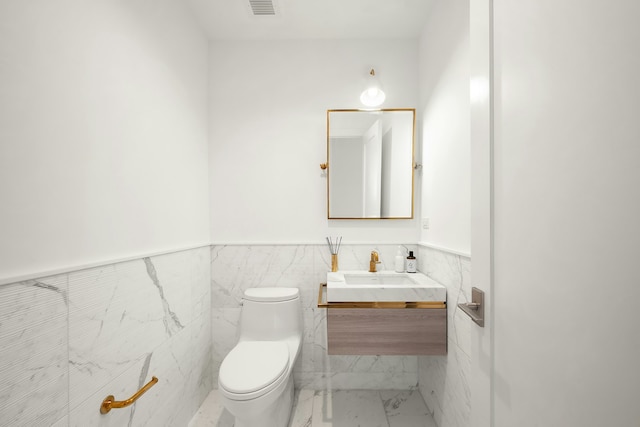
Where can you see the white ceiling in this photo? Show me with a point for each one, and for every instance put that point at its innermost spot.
(313, 19)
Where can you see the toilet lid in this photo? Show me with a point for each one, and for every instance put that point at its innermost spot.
(253, 365)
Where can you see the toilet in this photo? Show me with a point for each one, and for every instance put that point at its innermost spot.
(255, 380)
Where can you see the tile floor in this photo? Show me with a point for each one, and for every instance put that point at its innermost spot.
(338, 408)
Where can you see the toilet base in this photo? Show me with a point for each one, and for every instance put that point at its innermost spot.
(276, 415)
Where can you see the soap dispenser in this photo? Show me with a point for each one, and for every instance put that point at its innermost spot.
(411, 263)
(399, 261)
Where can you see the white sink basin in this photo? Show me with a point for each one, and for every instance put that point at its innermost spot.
(378, 279)
(362, 286)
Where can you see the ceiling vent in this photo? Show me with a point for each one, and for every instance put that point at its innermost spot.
(262, 7)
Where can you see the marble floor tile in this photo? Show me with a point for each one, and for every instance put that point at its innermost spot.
(337, 408)
(212, 413)
(302, 412)
(406, 408)
(348, 408)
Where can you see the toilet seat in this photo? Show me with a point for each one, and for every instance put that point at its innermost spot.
(253, 368)
(271, 294)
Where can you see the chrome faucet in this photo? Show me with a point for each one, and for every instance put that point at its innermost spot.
(373, 262)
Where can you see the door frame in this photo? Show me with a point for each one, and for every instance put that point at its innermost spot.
(481, 139)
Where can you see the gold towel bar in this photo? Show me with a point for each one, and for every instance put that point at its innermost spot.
(110, 402)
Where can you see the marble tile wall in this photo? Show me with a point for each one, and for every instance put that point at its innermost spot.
(70, 340)
(235, 268)
(443, 380)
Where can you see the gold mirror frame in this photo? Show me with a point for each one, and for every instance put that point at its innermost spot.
(412, 164)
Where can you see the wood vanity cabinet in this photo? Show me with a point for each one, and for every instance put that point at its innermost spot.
(387, 331)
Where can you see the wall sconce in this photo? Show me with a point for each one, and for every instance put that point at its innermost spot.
(373, 95)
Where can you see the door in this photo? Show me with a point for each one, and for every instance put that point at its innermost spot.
(558, 250)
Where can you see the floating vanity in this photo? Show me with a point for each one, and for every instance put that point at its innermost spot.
(384, 313)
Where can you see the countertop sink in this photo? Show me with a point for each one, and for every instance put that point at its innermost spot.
(380, 278)
(362, 286)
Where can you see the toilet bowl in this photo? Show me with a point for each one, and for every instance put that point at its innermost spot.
(256, 377)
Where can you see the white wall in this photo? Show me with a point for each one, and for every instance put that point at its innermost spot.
(103, 132)
(268, 134)
(444, 102)
(566, 213)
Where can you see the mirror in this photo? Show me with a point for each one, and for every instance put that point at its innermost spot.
(370, 170)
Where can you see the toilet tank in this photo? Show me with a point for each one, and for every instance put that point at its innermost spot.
(271, 314)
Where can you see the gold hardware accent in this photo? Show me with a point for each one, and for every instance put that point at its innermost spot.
(323, 166)
(334, 262)
(374, 260)
(109, 402)
(322, 302)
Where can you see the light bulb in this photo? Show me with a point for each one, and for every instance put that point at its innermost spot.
(373, 95)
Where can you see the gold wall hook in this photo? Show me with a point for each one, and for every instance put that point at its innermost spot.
(323, 166)
(109, 402)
